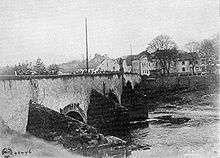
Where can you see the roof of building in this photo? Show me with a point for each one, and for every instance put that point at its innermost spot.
(188, 56)
(94, 62)
(130, 58)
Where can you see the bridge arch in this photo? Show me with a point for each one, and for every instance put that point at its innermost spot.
(73, 110)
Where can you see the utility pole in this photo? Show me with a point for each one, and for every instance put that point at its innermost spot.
(131, 58)
(87, 53)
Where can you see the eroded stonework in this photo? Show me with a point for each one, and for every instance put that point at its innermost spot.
(54, 92)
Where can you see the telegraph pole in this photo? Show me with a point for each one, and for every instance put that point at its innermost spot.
(131, 58)
(87, 52)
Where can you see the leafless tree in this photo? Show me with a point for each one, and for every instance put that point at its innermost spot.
(207, 48)
(164, 50)
(192, 46)
(161, 42)
(210, 51)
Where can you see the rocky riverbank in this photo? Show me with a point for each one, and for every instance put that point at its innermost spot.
(66, 131)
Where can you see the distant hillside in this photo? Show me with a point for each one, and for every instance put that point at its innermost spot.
(70, 66)
(77, 65)
(1, 70)
(6, 70)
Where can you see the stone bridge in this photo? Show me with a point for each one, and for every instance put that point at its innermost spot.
(62, 93)
(69, 109)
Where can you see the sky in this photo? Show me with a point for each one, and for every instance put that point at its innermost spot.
(54, 30)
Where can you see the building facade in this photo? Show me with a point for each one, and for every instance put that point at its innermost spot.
(142, 63)
(188, 63)
(108, 64)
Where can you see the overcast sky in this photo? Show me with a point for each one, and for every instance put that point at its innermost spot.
(54, 29)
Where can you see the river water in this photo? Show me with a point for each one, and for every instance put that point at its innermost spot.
(175, 130)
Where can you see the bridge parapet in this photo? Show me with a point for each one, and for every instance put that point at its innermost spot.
(28, 77)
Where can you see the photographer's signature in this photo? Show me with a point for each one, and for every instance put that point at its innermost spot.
(8, 152)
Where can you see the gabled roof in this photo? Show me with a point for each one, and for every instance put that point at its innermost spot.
(94, 62)
(143, 54)
(130, 58)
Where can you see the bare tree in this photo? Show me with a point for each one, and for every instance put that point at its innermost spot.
(210, 51)
(192, 46)
(207, 48)
(215, 41)
(161, 42)
(164, 50)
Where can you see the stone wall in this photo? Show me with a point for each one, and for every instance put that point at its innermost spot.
(14, 102)
(54, 92)
(181, 82)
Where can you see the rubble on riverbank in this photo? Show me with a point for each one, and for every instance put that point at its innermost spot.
(66, 131)
(16, 144)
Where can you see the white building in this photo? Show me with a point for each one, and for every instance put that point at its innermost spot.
(188, 63)
(108, 65)
(142, 64)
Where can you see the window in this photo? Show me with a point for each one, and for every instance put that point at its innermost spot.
(183, 69)
(113, 68)
(183, 62)
(149, 64)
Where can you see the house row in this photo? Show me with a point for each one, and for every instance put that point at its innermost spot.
(185, 63)
(144, 63)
